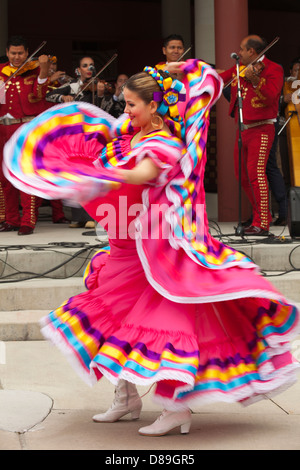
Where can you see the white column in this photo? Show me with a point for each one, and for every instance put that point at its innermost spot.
(204, 24)
(3, 26)
(176, 19)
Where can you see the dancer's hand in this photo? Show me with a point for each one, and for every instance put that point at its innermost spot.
(174, 67)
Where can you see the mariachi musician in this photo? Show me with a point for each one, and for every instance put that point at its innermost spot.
(74, 89)
(173, 49)
(291, 109)
(56, 79)
(22, 98)
(261, 85)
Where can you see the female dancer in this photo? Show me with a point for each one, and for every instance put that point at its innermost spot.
(165, 303)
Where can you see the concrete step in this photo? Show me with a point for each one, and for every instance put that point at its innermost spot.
(18, 262)
(63, 252)
(269, 257)
(38, 294)
(62, 259)
(21, 325)
(286, 283)
(50, 293)
(23, 303)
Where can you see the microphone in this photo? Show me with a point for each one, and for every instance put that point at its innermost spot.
(92, 68)
(234, 56)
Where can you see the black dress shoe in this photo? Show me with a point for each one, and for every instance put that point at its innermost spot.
(247, 223)
(5, 227)
(280, 222)
(255, 231)
(63, 220)
(25, 230)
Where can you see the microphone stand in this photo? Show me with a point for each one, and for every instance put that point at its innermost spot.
(239, 229)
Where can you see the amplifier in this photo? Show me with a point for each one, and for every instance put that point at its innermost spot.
(294, 212)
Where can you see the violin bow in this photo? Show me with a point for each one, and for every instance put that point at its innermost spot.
(93, 78)
(256, 59)
(26, 61)
(184, 53)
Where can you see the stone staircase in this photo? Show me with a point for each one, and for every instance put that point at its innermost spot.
(280, 263)
(35, 281)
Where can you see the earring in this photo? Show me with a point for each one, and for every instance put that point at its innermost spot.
(157, 122)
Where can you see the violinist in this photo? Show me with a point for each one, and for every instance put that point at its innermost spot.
(261, 85)
(23, 98)
(290, 130)
(57, 77)
(110, 99)
(173, 48)
(294, 74)
(68, 92)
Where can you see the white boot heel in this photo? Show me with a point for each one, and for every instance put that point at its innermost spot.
(127, 400)
(167, 421)
(185, 428)
(135, 414)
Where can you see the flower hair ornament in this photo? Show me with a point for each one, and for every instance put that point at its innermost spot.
(172, 91)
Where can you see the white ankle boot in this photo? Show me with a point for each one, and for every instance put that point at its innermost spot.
(166, 421)
(127, 400)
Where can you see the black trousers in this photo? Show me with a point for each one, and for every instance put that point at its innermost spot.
(275, 178)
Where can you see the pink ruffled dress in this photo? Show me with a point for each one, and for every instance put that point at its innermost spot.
(165, 302)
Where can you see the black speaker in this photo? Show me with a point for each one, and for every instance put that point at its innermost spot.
(294, 212)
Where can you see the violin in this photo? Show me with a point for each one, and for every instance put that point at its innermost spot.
(108, 87)
(33, 64)
(88, 85)
(257, 69)
(92, 86)
(57, 77)
(12, 71)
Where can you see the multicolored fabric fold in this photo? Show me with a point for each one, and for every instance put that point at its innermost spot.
(52, 156)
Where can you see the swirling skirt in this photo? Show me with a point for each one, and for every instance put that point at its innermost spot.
(120, 327)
